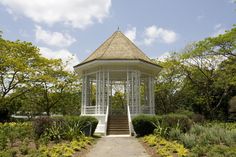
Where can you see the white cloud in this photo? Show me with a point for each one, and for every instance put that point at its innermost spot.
(53, 38)
(67, 57)
(76, 13)
(218, 29)
(164, 56)
(131, 33)
(153, 33)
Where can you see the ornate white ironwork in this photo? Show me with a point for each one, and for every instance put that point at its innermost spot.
(102, 79)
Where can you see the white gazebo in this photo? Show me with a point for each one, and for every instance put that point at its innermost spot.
(117, 61)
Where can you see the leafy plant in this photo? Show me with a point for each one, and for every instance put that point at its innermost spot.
(174, 134)
(40, 125)
(188, 140)
(143, 121)
(3, 140)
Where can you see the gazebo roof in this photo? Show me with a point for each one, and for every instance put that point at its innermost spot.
(117, 47)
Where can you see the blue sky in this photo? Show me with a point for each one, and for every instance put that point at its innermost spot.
(75, 28)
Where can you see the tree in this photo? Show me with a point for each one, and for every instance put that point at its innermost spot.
(49, 85)
(201, 78)
(18, 63)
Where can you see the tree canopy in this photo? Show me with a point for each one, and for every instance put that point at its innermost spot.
(201, 78)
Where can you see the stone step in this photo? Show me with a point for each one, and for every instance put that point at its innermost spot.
(118, 132)
(118, 125)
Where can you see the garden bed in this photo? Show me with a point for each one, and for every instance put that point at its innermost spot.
(176, 137)
(47, 137)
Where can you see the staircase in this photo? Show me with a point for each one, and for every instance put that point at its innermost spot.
(118, 125)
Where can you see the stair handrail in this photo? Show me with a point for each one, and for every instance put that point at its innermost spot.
(129, 119)
(106, 119)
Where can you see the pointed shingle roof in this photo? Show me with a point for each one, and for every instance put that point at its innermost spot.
(117, 47)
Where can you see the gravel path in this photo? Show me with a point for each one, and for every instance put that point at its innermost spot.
(117, 147)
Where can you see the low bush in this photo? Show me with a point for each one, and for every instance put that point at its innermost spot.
(87, 122)
(221, 151)
(40, 125)
(195, 117)
(174, 134)
(188, 140)
(65, 149)
(144, 124)
(200, 137)
(67, 128)
(165, 148)
(176, 120)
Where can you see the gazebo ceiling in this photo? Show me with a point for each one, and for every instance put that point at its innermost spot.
(117, 48)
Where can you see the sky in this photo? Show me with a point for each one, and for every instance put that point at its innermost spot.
(73, 29)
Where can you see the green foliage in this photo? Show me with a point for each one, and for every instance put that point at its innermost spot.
(188, 140)
(165, 148)
(208, 135)
(11, 133)
(33, 84)
(24, 149)
(64, 128)
(201, 78)
(144, 125)
(88, 122)
(161, 131)
(40, 125)
(65, 149)
(221, 151)
(176, 120)
(8, 153)
(174, 133)
(3, 140)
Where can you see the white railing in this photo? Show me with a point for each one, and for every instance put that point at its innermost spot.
(106, 119)
(89, 110)
(93, 110)
(146, 110)
(129, 120)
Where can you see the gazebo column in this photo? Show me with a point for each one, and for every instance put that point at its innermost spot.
(102, 91)
(146, 96)
(133, 92)
(137, 92)
(151, 99)
(86, 88)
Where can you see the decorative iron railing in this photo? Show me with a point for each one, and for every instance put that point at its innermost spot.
(94, 110)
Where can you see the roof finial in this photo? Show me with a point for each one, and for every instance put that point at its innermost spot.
(118, 29)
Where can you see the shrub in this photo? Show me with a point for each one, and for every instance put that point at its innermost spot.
(173, 120)
(56, 130)
(197, 129)
(3, 140)
(164, 147)
(188, 140)
(221, 151)
(4, 114)
(174, 134)
(8, 153)
(67, 128)
(144, 124)
(40, 125)
(87, 122)
(197, 118)
(203, 136)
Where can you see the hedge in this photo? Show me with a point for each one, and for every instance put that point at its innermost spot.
(73, 124)
(145, 124)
